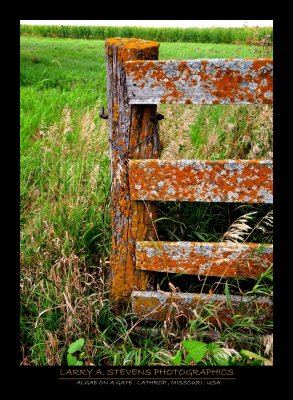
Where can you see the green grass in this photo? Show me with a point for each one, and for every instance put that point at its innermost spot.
(244, 35)
(65, 218)
(55, 73)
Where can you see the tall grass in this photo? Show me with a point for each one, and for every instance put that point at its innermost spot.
(244, 35)
(65, 197)
(217, 132)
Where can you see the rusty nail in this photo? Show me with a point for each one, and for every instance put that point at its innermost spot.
(102, 113)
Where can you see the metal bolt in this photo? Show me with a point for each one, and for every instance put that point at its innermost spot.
(158, 117)
(102, 113)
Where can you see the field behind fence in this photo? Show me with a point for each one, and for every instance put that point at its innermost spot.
(244, 35)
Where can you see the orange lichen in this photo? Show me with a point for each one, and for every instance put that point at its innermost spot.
(128, 48)
(131, 125)
(128, 127)
(213, 259)
(115, 112)
(157, 306)
(229, 81)
(240, 181)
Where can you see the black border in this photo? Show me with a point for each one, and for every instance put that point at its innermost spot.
(267, 378)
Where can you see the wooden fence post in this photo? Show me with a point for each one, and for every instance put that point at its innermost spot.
(132, 135)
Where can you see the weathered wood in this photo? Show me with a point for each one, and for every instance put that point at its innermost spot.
(213, 81)
(131, 135)
(225, 259)
(158, 306)
(193, 180)
(133, 81)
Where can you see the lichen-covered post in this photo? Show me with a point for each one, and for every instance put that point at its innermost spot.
(132, 136)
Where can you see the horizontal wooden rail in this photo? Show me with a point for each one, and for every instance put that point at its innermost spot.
(207, 181)
(159, 305)
(213, 81)
(213, 259)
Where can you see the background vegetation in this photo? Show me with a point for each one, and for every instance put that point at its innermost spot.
(65, 223)
(244, 35)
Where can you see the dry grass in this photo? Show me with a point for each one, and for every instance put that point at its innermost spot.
(61, 287)
(63, 291)
(66, 298)
(217, 132)
(268, 342)
(239, 229)
(175, 131)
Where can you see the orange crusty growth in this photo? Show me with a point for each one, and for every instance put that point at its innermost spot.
(248, 181)
(212, 81)
(128, 126)
(160, 305)
(129, 48)
(133, 80)
(248, 260)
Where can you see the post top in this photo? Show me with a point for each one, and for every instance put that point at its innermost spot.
(131, 43)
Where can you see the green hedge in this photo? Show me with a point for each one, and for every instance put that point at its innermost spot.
(201, 35)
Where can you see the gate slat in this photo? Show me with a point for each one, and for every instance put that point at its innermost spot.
(248, 181)
(158, 306)
(213, 259)
(212, 81)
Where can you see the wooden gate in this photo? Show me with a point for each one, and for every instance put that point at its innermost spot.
(137, 82)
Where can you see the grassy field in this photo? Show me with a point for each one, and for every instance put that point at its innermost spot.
(244, 35)
(65, 222)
